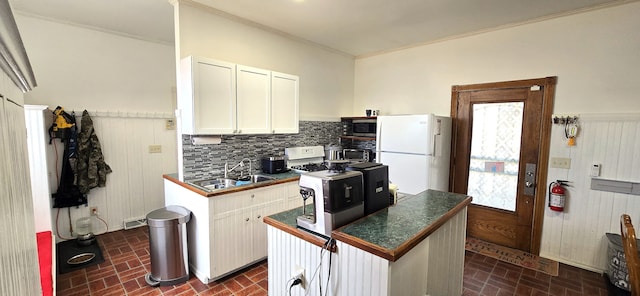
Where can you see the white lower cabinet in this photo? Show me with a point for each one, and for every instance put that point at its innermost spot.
(227, 232)
(293, 198)
(240, 236)
(259, 229)
(229, 251)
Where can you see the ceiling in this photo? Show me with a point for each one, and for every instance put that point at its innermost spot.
(355, 27)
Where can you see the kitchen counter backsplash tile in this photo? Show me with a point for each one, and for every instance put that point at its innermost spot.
(207, 161)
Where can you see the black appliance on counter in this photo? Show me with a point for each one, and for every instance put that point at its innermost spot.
(336, 198)
(376, 185)
(273, 165)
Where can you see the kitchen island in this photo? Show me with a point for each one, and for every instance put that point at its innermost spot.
(415, 247)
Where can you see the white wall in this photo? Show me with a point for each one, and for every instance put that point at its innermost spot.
(576, 236)
(326, 77)
(128, 86)
(596, 58)
(79, 69)
(594, 54)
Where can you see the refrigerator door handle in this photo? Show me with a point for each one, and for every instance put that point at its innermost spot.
(433, 148)
(379, 136)
(436, 133)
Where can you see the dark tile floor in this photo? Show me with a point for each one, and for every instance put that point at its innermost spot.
(127, 261)
(488, 276)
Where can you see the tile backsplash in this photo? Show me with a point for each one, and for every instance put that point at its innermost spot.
(207, 161)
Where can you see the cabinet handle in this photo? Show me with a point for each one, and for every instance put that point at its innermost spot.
(252, 195)
(259, 216)
(246, 219)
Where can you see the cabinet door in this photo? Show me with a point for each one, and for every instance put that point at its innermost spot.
(231, 249)
(253, 100)
(208, 98)
(293, 198)
(259, 230)
(284, 103)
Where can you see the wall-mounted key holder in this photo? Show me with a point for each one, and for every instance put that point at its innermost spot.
(570, 127)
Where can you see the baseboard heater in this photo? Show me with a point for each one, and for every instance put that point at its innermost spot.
(134, 223)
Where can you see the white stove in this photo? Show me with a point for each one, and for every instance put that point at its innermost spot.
(305, 158)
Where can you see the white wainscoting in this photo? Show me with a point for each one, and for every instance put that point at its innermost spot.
(19, 272)
(577, 235)
(135, 187)
(433, 267)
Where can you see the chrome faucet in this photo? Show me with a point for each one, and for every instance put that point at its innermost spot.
(227, 170)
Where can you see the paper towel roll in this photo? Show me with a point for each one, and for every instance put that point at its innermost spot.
(206, 140)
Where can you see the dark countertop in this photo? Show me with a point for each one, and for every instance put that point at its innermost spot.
(391, 232)
(289, 176)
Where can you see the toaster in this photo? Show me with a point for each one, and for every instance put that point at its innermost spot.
(273, 165)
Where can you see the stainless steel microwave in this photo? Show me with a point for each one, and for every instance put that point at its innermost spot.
(364, 127)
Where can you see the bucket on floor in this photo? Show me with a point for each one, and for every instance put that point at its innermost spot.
(168, 246)
(616, 263)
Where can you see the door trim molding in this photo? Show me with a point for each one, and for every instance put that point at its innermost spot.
(548, 85)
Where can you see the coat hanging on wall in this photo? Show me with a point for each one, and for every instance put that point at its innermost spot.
(91, 168)
(65, 129)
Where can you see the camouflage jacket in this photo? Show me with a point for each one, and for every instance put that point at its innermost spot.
(91, 169)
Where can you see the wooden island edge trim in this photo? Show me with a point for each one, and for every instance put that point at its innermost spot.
(301, 234)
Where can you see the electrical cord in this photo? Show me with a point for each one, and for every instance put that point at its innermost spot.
(105, 224)
(57, 230)
(296, 282)
(325, 247)
(328, 275)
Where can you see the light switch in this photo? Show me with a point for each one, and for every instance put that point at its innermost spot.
(561, 163)
(155, 148)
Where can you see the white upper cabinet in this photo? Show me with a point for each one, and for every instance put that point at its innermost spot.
(284, 103)
(254, 100)
(224, 98)
(208, 100)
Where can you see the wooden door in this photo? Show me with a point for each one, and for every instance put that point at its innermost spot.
(500, 150)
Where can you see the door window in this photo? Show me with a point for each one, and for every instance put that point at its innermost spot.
(495, 154)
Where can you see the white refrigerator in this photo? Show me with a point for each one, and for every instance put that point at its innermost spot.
(417, 149)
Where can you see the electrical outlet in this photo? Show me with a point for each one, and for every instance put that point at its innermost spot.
(299, 273)
(93, 211)
(561, 163)
(155, 148)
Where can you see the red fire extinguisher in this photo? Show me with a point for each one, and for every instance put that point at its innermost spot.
(557, 195)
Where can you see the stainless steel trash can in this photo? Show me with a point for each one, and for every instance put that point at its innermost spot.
(168, 246)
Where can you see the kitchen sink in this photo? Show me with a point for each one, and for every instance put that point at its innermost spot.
(213, 184)
(221, 183)
(256, 178)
